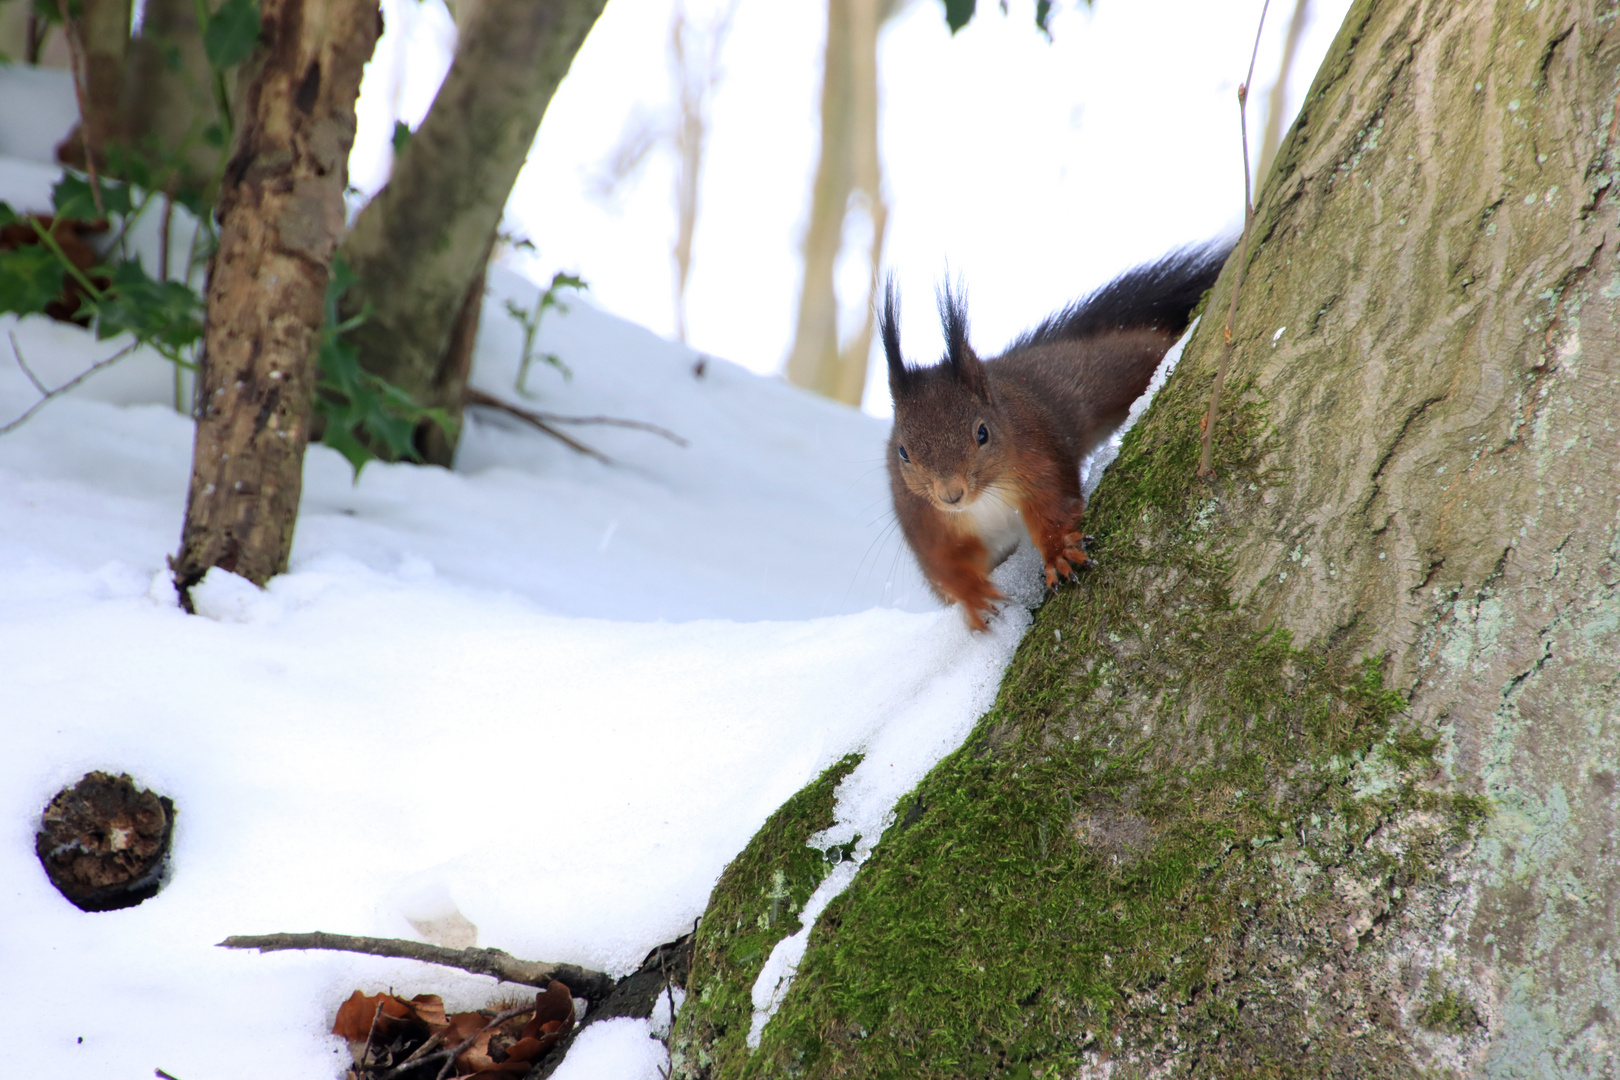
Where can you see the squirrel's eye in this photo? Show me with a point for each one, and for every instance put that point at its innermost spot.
(903, 455)
(984, 434)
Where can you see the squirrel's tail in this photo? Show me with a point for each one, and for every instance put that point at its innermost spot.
(1158, 296)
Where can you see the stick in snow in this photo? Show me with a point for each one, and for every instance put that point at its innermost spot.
(493, 962)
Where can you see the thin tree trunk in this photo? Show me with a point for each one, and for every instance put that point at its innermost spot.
(281, 213)
(425, 237)
(168, 99)
(103, 29)
(1315, 775)
(1277, 99)
(849, 164)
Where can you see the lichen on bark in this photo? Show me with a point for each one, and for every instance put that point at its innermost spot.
(1314, 776)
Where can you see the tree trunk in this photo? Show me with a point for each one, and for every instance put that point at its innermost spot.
(421, 242)
(168, 98)
(281, 213)
(849, 163)
(1315, 774)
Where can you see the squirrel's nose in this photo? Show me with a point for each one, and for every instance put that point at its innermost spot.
(952, 495)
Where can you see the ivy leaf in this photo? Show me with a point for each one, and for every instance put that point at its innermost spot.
(232, 33)
(958, 13)
(402, 137)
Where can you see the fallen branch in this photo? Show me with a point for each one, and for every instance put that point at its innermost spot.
(544, 422)
(45, 394)
(493, 962)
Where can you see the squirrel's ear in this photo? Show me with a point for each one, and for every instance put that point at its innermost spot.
(958, 353)
(891, 338)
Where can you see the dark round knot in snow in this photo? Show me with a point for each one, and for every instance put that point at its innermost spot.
(103, 842)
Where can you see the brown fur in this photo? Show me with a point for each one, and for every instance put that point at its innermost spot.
(1044, 405)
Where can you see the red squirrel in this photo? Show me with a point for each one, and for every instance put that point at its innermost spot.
(984, 450)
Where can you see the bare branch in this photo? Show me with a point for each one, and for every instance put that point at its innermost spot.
(492, 962)
(490, 401)
(1206, 455)
(80, 70)
(47, 395)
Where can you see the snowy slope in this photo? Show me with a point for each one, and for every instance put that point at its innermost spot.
(552, 695)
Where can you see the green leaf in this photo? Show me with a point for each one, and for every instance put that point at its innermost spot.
(165, 313)
(7, 214)
(72, 198)
(402, 136)
(958, 13)
(232, 34)
(1043, 13)
(30, 278)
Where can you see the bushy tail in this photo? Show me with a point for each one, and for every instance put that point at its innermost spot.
(1157, 296)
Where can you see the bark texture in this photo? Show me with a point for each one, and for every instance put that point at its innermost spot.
(1315, 776)
(281, 213)
(421, 242)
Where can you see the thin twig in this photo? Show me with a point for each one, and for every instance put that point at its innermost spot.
(490, 401)
(478, 397)
(414, 1062)
(65, 387)
(163, 237)
(1206, 455)
(492, 962)
(163, 1075)
(372, 1033)
(76, 51)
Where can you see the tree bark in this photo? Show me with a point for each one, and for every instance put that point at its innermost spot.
(281, 213)
(1315, 775)
(421, 242)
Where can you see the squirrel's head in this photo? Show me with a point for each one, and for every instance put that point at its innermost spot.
(948, 444)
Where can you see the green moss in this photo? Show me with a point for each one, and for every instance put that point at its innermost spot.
(755, 904)
(1144, 844)
(1452, 1014)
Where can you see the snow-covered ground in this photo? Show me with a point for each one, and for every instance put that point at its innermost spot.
(551, 695)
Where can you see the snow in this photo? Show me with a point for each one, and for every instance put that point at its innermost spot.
(541, 694)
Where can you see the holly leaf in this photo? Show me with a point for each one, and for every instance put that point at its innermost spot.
(232, 34)
(30, 278)
(73, 198)
(166, 312)
(958, 13)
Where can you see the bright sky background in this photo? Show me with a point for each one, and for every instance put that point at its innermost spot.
(1035, 170)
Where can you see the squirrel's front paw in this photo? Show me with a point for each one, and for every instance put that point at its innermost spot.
(979, 604)
(1069, 560)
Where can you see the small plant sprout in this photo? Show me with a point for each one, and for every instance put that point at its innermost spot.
(529, 319)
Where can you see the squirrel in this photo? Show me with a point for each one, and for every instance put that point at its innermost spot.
(984, 450)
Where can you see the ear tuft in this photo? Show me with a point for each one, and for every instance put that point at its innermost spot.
(891, 336)
(959, 355)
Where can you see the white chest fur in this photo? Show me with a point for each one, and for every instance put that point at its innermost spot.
(998, 523)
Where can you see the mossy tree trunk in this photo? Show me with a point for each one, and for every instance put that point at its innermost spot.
(280, 217)
(419, 248)
(1315, 774)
